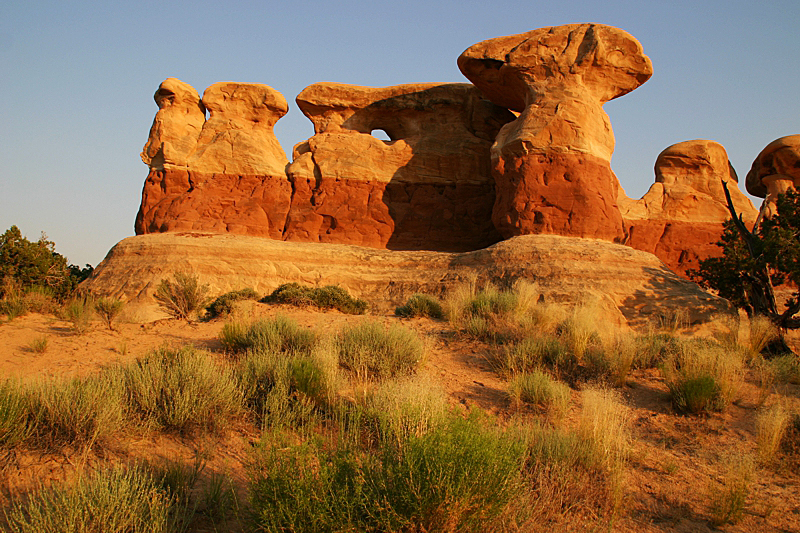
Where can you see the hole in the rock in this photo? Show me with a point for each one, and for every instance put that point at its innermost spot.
(381, 134)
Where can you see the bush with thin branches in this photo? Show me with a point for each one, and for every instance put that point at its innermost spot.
(183, 296)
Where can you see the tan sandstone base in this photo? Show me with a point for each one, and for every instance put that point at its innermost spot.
(630, 285)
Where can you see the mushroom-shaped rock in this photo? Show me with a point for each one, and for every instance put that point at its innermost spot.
(429, 187)
(774, 171)
(552, 164)
(234, 181)
(176, 127)
(681, 218)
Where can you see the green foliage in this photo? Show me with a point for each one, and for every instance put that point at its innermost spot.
(421, 305)
(180, 390)
(182, 297)
(109, 309)
(223, 305)
(279, 334)
(371, 351)
(752, 263)
(458, 476)
(37, 263)
(328, 297)
(15, 425)
(114, 500)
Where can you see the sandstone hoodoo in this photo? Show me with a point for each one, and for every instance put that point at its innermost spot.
(774, 171)
(221, 175)
(552, 164)
(429, 187)
(681, 217)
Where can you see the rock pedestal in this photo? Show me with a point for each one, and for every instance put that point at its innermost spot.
(552, 164)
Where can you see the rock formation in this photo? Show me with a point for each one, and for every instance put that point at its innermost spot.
(774, 171)
(223, 175)
(681, 217)
(630, 285)
(552, 164)
(428, 188)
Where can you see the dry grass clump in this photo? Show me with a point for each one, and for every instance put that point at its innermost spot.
(371, 351)
(280, 334)
(421, 305)
(183, 297)
(603, 424)
(540, 389)
(109, 309)
(328, 297)
(785, 368)
(15, 423)
(80, 311)
(114, 500)
(762, 332)
(39, 344)
(703, 376)
(728, 501)
(771, 425)
(180, 390)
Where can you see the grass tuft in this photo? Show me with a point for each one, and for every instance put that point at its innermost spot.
(540, 389)
(109, 309)
(279, 334)
(224, 304)
(371, 351)
(771, 425)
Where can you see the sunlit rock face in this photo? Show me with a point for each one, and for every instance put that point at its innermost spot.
(775, 171)
(552, 164)
(225, 174)
(681, 217)
(429, 187)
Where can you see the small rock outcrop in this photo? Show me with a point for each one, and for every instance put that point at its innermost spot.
(552, 164)
(222, 175)
(774, 171)
(681, 217)
(429, 187)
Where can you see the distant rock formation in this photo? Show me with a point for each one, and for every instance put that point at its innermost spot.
(526, 150)
(222, 175)
(681, 217)
(552, 164)
(427, 188)
(774, 171)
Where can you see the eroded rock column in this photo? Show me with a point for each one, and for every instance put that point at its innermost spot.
(221, 175)
(552, 164)
(681, 217)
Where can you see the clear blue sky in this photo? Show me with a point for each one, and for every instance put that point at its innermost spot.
(77, 79)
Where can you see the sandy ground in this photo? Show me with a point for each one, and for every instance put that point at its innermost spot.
(675, 461)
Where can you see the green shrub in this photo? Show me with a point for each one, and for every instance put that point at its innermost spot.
(109, 309)
(458, 476)
(786, 368)
(109, 501)
(371, 351)
(328, 297)
(182, 297)
(421, 305)
(223, 305)
(540, 389)
(652, 349)
(703, 376)
(613, 360)
(279, 334)
(180, 390)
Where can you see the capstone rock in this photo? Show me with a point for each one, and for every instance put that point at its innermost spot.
(552, 164)
(774, 171)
